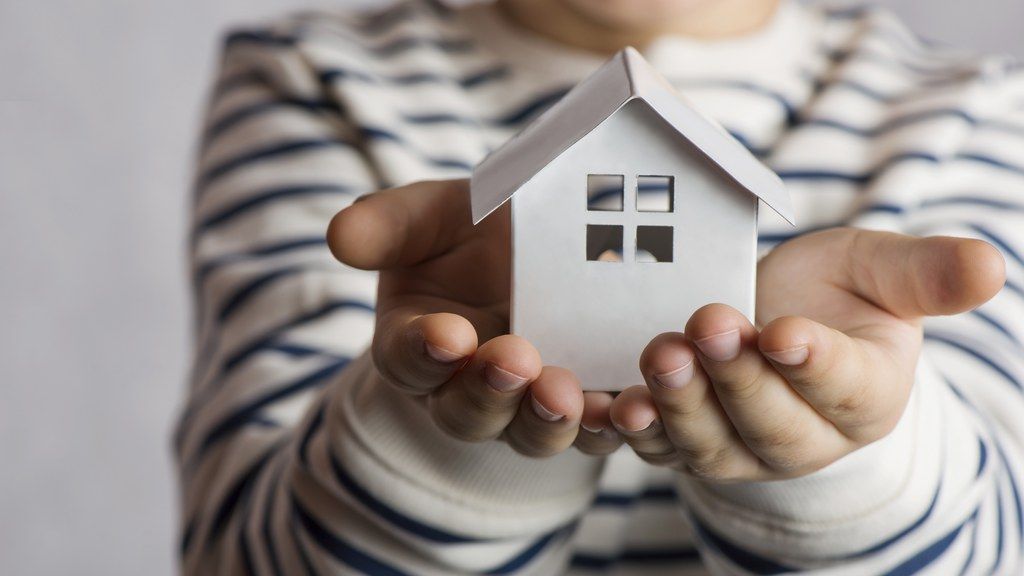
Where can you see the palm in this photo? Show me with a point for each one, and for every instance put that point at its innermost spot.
(813, 276)
(472, 279)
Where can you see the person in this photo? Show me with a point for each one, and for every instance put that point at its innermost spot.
(369, 412)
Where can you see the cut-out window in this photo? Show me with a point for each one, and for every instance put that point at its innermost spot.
(653, 243)
(604, 243)
(605, 192)
(655, 193)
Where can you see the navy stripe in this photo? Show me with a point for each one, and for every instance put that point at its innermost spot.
(743, 558)
(977, 356)
(340, 549)
(261, 37)
(471, 80)
(249, 290)
(237, 495)
(866, 177)
(248, 567)
(311, 431)
(392, 516)
(236, 81)
(788, 107)
(994, 162)
(977, 313)
(1003, 245)
(908, 120)
(888, 542)
(974, 547)
(266, 528)
(186, 536)
(265, 250)
(259, 198)
(1014, 287)
(972, 201)
(1014, 487)
(242, 414)
(384, 50)
(651, 493)
(446, 163)
(239, 115)
(522, 559)
(201, 397)
(382, 21)
(999, 528)
(530, 109)
(982, 457)
(926, 557)
(262, 343)
(639, 556)
(266, 153)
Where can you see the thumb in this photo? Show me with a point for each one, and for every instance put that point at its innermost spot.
(913, 277)
(401, 226)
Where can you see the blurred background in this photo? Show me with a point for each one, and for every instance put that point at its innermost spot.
(99, 106)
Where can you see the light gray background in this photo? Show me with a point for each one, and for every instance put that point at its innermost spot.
(99, 104)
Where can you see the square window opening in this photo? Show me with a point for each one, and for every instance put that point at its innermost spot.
(655, 193)
(604, 243)
(653, 244)
(605, 192)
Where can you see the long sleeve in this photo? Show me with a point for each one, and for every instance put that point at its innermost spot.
(944, 492)
(293, 458)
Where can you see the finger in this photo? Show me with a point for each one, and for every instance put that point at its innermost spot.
(480, 401)
(773, 420)
(694, 421)
(636, 418)
(839, 375)
(417, 353)
(548, 418)
(401, 226)
(597, 435)
(914, 277)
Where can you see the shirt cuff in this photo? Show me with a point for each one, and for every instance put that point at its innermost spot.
(388, 445)
(856, 503)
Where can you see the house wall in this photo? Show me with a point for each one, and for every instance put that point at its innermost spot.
(596, 317)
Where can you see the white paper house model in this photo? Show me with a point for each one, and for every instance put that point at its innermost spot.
(630, 210)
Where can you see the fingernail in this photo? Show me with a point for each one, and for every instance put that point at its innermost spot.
(544, 413)
(677, 378)
(606, 433)
(721, 347)
(791, 356)
(650, 426)
(440, 354)
(361, 198)
(502, 380)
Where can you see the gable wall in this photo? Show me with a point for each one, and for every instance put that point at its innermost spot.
(596, 317)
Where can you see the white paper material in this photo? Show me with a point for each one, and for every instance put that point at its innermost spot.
(596, 317)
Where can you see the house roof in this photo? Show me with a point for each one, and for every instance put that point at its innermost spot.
(624, 78)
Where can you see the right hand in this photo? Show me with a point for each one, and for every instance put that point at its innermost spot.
(443, 322)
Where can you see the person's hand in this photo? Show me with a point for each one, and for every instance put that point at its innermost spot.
(830, 371)
(442, 322)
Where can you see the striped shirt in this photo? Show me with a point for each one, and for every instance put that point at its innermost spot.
(293, 461)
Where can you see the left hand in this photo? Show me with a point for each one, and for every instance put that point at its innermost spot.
(830, 371)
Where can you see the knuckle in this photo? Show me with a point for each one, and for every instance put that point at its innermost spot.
(741, 387)
(532, 446)
(461, 428)
(668, 458)
(714, 464)
(783, 447)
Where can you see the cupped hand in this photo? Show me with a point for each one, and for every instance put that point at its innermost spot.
(830, 371)
(442, 322)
